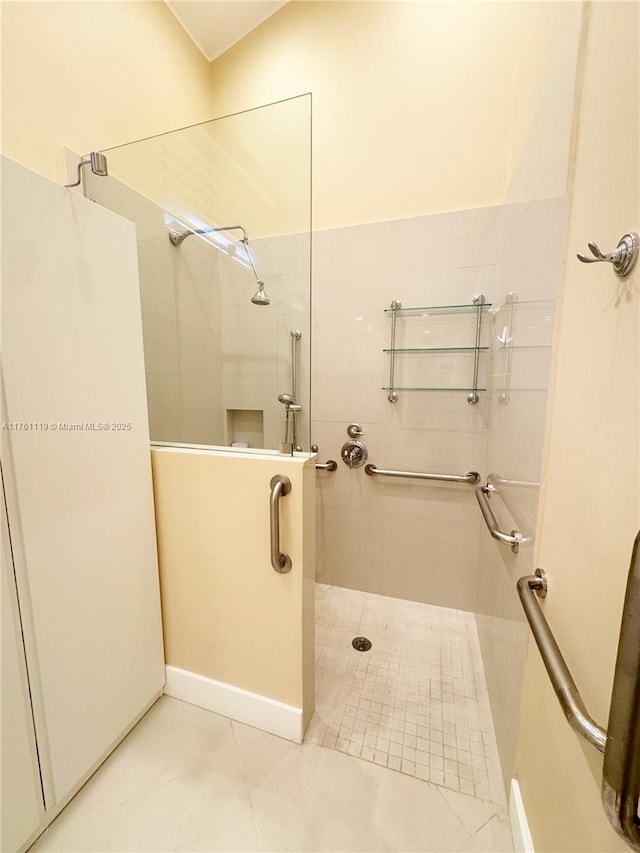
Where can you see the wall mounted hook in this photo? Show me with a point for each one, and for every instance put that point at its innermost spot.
(623, 257)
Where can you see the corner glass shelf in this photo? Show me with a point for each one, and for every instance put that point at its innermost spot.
(440, 309)
(436, 349)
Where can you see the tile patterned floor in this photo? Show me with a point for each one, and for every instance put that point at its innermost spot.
(186, 779)
(416, 702)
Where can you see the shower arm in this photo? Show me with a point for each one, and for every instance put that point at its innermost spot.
(178, 237)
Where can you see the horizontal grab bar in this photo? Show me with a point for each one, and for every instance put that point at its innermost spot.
(471, 477)
(514, 539)
(529, 588)
(329, 465)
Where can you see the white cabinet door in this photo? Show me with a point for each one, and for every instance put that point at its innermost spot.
(79, 499)
(22, 803)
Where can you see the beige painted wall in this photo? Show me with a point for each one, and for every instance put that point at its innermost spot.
(92, 75)
(227, 614)
(414, 107)
(401, 90)
(590, 509)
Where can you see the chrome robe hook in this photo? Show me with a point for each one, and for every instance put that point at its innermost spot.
(623, 257)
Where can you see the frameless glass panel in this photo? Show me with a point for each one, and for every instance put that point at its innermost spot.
(223, 220)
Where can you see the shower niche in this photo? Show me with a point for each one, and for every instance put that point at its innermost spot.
(222, 212)
(245, 428)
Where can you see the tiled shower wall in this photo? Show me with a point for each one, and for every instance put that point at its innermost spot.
(208, 349)
(181, 302)
(413, 539)
(426, 541)
(256, 341)
(531, 265)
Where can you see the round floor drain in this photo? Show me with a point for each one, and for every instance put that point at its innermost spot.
(361, 644)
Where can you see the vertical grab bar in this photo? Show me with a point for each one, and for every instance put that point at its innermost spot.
(506, 339)
(280, 486)
(393, 395)
(478, 301)
(296, 334)
(621, 772)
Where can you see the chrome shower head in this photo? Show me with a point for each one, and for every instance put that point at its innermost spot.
(260, 297)
(286, 398)
(178, 237)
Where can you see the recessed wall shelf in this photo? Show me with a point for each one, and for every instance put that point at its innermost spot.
(396, 310)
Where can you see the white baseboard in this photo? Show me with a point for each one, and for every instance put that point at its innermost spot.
(522, 841)
(237, 704)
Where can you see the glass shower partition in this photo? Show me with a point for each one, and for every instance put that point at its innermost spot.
(223, 222)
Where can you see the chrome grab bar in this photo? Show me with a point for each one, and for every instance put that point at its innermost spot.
(620, 742)
(478, 300)
(514, 539)
(329, 465)
(280, 486)
(471, 477)
(529, 589)
(392, 397)
(621, 772)
(497, 480)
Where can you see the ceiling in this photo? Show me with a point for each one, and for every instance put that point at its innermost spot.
(216, 25)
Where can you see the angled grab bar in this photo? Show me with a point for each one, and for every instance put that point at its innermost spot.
(280, 486)
(514, 539)
(529, 589)
(471, 477)
(329, 465)
(620, 742)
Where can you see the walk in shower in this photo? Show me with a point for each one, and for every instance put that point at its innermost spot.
(430, 351)
(222, 213)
